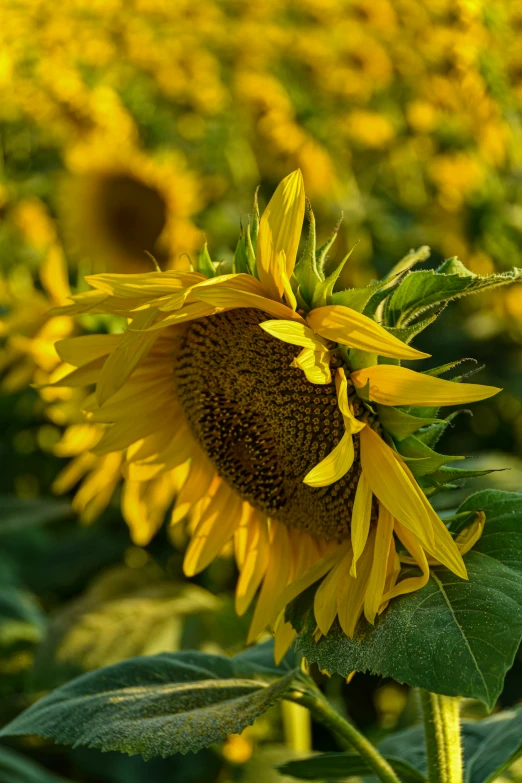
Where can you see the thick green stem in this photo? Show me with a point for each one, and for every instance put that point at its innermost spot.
(443, 742)
(323, 712)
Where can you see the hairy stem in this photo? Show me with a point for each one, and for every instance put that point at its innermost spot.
(443, 742)
(322, 711)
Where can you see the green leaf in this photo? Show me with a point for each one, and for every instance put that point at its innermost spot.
(339, 766)
(21, 618)
(421, 290)
(127, 612)
(407, 333)
(15, 768)
(412, 258)
(489, 746)
(454, 637)
(17, 514)
(157, 705)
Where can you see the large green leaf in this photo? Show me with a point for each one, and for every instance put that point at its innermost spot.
(454, 637)
(127, 612)
(17, 513)
(420, 291)
(339, 766)
(157, 705)
(15, 768)
(489, 746)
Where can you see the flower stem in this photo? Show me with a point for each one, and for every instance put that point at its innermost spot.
(443, 742)
(322, 711)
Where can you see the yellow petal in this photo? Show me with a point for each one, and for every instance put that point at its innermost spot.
(239, 282)
(294, 333)
(288, 293)
(360, 523)
(411, 583)
(280, 230)
(275, 581)
(214, 529)
(395, 486)
(284, 637)
(325, 600)
(85, 349)
(309, 576)
(348, 327)
(315, 365)
(188, 313)
(334, 466)
(469, 537)
(393, 385)
(351, 592)
(148, 284)
(255, 563)
(229, 299)
(375, 587)
(81, 303)
(351, 424)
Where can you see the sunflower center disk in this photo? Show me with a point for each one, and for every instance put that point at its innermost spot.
(261, 423)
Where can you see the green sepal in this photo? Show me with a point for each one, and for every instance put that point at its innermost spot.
(399, 423)
(204, 263)
(432, 434)
(445, 475)
(240, 256)
(253, 222)
(420, 291)
(305, 270)
(322, 254)
(410, 260)
(250, 253)
(324, 290)
(420, 458)
(436, 371)
(364, 300)
(407, 333)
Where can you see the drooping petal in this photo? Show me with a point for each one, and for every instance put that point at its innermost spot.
(351, 424)
(276, 578)
(280, 230)
(325, 599)
(215, 528)
(348, 327)
(334, 466)
(295, 333)
(284, 637)
(394, 485)
(381, 550)
(315, 365)
(394, 385)
(255, 563)
(86, 348)
(351, 592)
(361, 516)
(411, 583)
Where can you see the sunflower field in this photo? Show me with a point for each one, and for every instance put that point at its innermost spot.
(256, 259)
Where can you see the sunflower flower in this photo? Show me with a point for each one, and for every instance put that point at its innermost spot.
(267, 401)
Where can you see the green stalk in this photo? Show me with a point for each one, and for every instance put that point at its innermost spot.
(312, 698)
(443, 742)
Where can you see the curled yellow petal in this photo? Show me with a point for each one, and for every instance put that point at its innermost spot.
(361, 516)
(393, 385)
(334, 466)
(315, 365)
(294, 333)
(376, 583)
(348, 327)
(351, 424)
(280, 230)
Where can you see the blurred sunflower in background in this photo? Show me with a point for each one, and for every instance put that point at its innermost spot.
(261, 392)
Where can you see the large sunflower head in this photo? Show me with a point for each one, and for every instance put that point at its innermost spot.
(285, 416)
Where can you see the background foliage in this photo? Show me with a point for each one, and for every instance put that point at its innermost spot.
(148, 126)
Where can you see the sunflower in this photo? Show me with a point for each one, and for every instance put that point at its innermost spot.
(275, 409)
